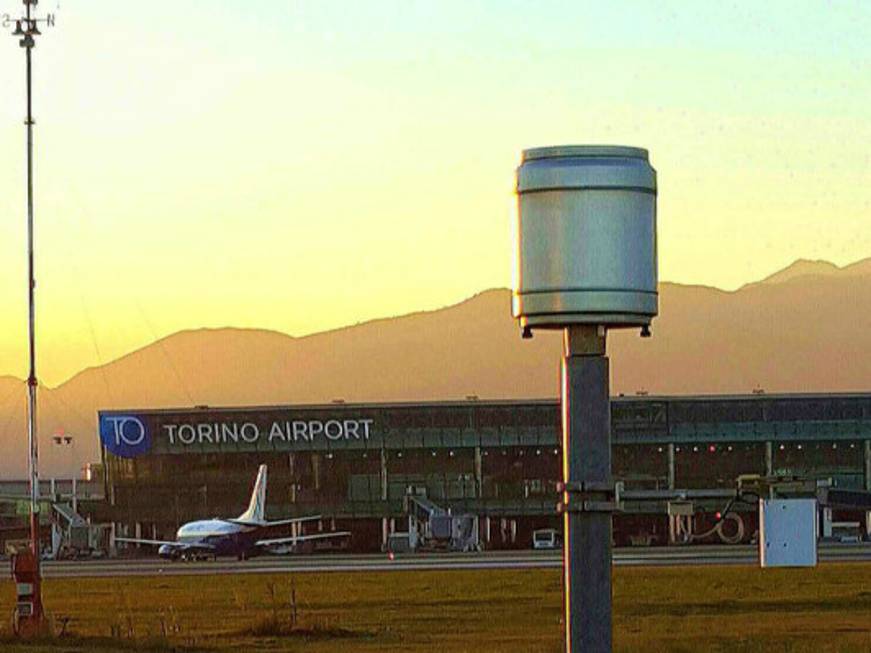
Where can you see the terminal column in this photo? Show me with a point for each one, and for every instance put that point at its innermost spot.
(384, 523)
(479, 473)
(383, 475)
(868, 465)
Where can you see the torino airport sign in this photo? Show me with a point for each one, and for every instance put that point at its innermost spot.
(135, 434)
(287, 431)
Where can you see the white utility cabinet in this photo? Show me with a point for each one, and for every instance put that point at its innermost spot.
(788, 532)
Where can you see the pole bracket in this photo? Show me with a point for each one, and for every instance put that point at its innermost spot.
(589, 496)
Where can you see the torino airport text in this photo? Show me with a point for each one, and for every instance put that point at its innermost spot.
(289, 431)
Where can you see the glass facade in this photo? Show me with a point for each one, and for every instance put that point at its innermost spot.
(355, 464)
(842, 461)
(716, 465)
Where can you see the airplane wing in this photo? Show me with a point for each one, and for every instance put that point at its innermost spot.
(295, 520)
(176, 545)
(300, 538)
(269, 524)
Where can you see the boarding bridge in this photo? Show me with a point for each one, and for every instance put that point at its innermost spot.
(682, 509)
(434, 528)
(72, 535)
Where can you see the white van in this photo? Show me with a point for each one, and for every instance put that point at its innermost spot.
(547, 538)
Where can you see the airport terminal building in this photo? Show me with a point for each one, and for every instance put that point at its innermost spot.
(499, 460)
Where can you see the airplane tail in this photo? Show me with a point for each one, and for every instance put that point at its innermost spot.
(256, 512)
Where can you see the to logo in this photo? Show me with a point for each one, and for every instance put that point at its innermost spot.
(124, 435)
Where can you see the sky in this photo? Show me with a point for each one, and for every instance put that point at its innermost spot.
(302, 166)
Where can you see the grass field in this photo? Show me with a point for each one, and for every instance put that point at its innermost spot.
(656, 609)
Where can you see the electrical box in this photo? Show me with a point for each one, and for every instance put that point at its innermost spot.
(679, 508)
(788, 532)
(27, 616)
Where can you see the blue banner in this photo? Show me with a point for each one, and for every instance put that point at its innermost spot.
(126, 436)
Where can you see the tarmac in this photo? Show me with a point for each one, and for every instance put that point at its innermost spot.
(301, 563)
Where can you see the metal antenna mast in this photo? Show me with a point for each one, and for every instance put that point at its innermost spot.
(26, 28)
(28, 43)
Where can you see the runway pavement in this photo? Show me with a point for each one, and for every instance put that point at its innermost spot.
(659, 556)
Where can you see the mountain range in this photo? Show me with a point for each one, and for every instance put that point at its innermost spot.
(803, 329)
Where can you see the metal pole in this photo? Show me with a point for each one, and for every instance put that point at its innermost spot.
(26, 28)
(587, 490)
(33, 463)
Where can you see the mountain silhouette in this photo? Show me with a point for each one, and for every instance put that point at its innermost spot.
(804, 329)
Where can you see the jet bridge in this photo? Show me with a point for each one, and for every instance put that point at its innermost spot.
(71, 534)
(784, 488)
(683, 507)
(433, 527)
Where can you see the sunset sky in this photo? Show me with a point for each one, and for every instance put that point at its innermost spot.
(301, 166)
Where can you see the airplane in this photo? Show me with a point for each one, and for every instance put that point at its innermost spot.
(239, 536)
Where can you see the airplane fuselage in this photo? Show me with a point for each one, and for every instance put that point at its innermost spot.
(223, 538)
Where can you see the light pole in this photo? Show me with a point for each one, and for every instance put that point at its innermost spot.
(586, 263)
(30, 611)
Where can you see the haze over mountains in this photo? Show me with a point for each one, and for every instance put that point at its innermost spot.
(804, 329)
